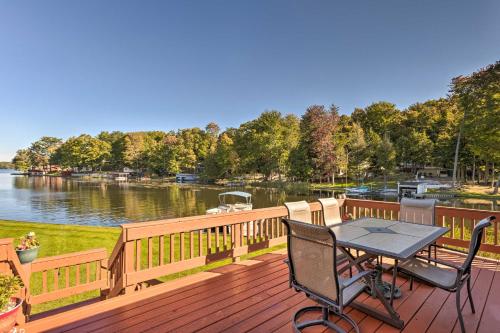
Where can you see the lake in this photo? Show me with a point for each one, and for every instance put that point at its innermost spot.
(109, 203)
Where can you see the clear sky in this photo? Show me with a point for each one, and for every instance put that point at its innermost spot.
(71, 67)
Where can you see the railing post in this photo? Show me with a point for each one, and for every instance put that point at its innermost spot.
(128, 258)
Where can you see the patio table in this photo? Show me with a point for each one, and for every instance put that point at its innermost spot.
(393, 239)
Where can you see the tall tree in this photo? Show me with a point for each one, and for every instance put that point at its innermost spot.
(22, 160)
(358, 160)
(84, 151)
(380, 117)
(385, 157)
(479, 98)
(41, 150)
(316, 153)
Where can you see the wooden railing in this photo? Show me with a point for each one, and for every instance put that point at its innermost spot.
(149, 250)
(67, 275)
(52, 278)
(461, 221)
(10, 265)
(153, 249)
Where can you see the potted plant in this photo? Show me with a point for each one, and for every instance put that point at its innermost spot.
(9, 305)
(27, 250)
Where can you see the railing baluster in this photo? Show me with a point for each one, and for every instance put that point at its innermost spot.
(200, 242)
(453, 227)
(88, 272)
(77, 274)
(172, 248)
(209, 241)
(191, 244)
(138, 255)
(161, 250)
(240, 233)
(217, 240)
(224, 238)
(44, 282)
(462, 226)
(56, 278)
(182, 246)
(150, 252)
(66, 277)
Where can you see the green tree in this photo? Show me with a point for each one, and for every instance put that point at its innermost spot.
(41, 150)
(357, 152)
(84, 151)
(264, 144)
(479, 98)
(385, 157)
(380, 117)
(133, 150)
(224, 161)
(116, 140)
(22, 161)
(316, 153)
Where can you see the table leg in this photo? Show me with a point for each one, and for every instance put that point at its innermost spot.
(391, 317)
(393, 285)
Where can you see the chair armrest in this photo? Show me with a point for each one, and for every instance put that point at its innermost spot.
(350, 281)
(438, 261)
(448, 248)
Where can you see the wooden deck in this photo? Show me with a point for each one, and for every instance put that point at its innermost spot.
(253, 296)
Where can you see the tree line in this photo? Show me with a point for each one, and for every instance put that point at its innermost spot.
(460, 131)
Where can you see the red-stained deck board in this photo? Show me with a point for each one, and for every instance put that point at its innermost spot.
(257, 298)
(490, 319)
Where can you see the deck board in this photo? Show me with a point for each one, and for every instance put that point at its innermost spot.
(257, 298)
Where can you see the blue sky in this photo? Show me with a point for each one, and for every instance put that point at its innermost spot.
(69, 67)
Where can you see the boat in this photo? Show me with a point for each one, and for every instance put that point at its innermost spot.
(119, 176)
(225, 207)
(358, 190)
(186, 177)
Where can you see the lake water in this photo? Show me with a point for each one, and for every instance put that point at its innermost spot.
(108, 203)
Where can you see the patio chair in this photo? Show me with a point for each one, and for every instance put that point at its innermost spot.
(299, 211)
(312, 259)
(331, 211)
(419, 211)
(454, 276)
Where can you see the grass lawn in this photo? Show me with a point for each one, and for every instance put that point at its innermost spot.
(56, 239)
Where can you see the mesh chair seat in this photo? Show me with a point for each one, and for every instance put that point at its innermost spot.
(445, 278)
(351, 292)
(422, 269)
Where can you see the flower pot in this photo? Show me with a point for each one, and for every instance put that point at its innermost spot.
(27, 256)
(8, 319)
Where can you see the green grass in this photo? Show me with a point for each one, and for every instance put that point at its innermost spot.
(56, 239)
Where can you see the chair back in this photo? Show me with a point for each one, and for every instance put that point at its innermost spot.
(299, 211)
(475, 241)
(341, 199)
(312, 259)
(421, 211)
(331, 211)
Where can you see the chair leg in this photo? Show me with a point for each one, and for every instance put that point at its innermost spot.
(459, 310)
(324, 321)
(411, 282)
(470, 296)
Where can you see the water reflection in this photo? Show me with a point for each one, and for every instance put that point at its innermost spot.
(94, 202)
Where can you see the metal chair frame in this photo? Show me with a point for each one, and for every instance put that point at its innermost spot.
(463, 271)
(326, 305)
